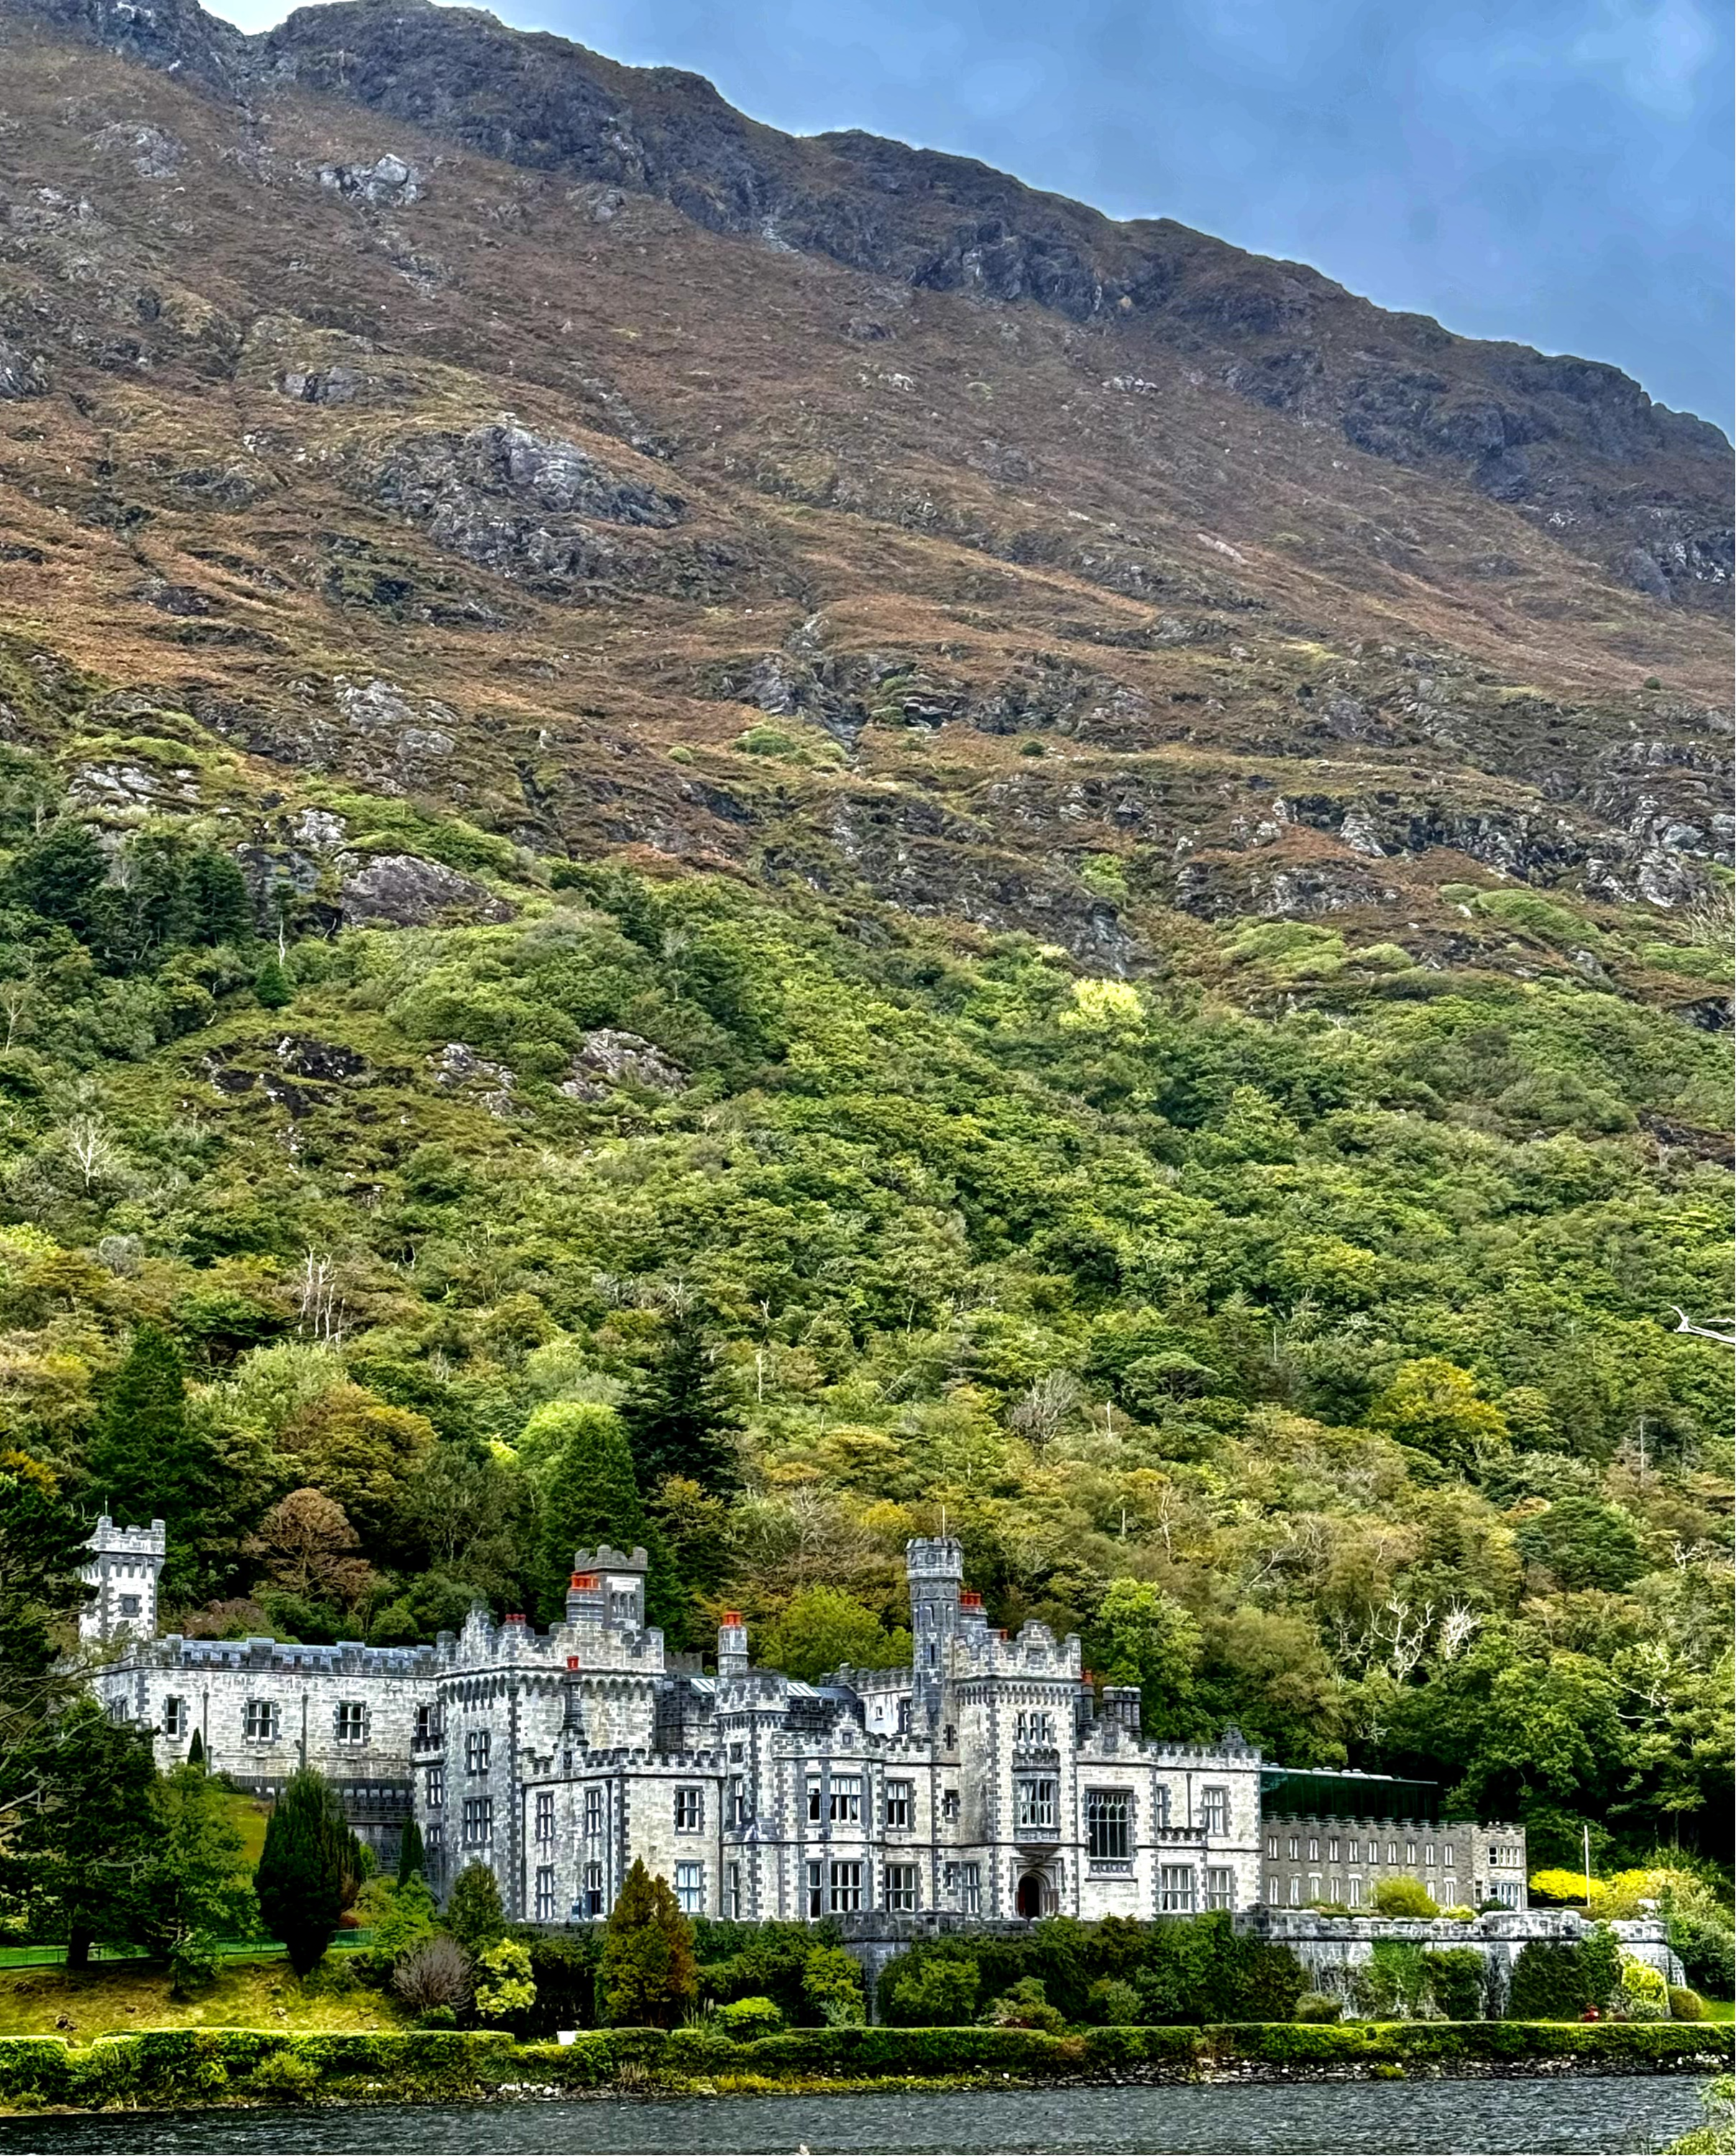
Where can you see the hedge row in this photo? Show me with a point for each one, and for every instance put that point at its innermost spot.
(190, 2067)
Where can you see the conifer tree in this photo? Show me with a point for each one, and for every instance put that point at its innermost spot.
(649, 1974)
(311, 1864)
(590, 1496)
(272, 987)
(218, 899)
(680, 1417)
(412, 1858)
(474, 1914)
(196, 1751)
(146, 1461)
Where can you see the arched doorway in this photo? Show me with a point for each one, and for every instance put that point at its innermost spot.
(1029, 1902)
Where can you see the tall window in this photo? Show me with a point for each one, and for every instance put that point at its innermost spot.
(1219, 1887)
(1271, 1844)
(846, 1887)
(846, 1809)
(1428, 1856)
(735, 1891)
(593, 1889)
(1295, 1848)
(1034, 1803)
(899, 1796)
(174, 1716)
(1354, 1847)
(427, 1729)
(1411, 1852)
(1332, 1849)
(545, 1829)
(1175, 1890)
(479, 1820)
(1450, 1892)
(949, 1804)
(813, 1794)
(1392, 1852)
(1214, 1810)
(690, 1889)
(690, 1811)
(1447, 1857)
(816, 1890)
(433, 1787)
(476, 1751)
(351, 1721)
(594, 1811)
(545, 1893)
(1109, 1827)
(1314, 1849)
(259, 1722)
(901, 1883)
(1160, 1806)
(624, 1605)
(903, 1718)
(964, 1888)
(1356, 1892)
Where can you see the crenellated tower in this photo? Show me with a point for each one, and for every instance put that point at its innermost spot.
(124, 1568)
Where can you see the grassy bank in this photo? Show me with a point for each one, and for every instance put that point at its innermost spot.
(160, 2068)
(121, 1997)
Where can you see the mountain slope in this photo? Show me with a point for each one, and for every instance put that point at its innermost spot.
(651, 771)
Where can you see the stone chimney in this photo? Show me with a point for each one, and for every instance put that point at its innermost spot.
(124, 1568)
(1121, 1705)
(585, 1598)
(731, 1646)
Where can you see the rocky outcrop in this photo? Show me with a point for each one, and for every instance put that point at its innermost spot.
(21, 374)
(402, 891)
(509, 500)
(609, 1058)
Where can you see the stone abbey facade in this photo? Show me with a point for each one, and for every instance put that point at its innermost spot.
(983, 1781)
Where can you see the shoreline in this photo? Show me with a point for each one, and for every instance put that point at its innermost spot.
(253, 2069)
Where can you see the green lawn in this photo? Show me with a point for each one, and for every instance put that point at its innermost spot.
(1720, 2009)
(118, 1997)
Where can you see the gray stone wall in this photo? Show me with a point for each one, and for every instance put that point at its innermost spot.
(1320, 1858)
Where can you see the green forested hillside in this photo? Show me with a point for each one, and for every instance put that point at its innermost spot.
(1296, 1326)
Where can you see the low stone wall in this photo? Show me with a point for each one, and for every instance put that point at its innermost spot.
(1329, 1947)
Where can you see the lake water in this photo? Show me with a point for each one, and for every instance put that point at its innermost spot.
(1575, 2116)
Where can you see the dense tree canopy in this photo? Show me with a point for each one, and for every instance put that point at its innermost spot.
(1299, 1334)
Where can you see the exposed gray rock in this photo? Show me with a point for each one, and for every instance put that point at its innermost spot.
(322, 385)
(513, 502)
(457, 1067)
(21, 374)
(402, 891)
(609, 1058)
(152, 154)
(388, 182)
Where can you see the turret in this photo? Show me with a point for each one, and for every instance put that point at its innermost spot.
(620, 1580)
(124, 1568)
(935, 1567)
(731, 1646)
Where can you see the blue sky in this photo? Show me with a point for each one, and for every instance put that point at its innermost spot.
(1556, 172)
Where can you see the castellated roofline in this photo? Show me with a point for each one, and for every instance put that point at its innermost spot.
(603, 1558)
(108, 1539)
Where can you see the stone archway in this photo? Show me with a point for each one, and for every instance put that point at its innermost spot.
(1030, 1896)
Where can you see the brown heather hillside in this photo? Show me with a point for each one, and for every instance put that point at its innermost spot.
(450, 409)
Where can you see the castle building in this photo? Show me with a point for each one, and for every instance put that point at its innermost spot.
(983, 1780)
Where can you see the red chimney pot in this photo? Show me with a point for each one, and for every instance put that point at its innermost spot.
(731, 1617)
